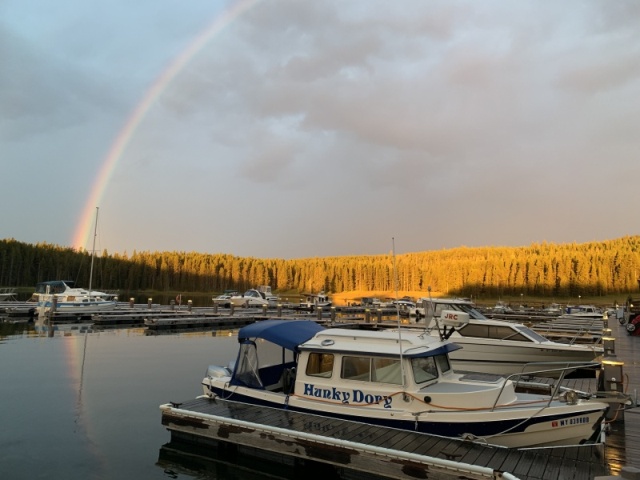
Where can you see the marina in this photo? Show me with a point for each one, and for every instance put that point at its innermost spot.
(226, 422)
(390, 458)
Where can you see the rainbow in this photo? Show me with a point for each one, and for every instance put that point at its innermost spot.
(84, 226)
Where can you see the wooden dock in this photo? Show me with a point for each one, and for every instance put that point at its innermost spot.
(385, 452)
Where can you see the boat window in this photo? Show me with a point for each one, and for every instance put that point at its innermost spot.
(356, 368)
(320, 365)
(443, 363)
(474, 330)
(506, 333)
(424, 369)
(495, 332)
(377, 369)
(246, 372)
(386, 370)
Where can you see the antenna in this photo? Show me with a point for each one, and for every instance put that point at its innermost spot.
(395, 281)
(433, 313)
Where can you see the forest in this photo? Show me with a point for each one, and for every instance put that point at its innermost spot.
(541, 269)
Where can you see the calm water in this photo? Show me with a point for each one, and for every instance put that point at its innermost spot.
(85, 405)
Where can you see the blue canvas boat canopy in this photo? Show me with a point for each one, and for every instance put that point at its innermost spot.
(285, 333)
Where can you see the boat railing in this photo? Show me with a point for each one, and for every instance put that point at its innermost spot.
(573, 330)
(561, 369)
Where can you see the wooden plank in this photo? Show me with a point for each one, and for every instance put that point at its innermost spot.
(500, 458)
(403, 443)
(425, 445)
(552, 468)
(522, 465)
(359, 432)
(387, 439)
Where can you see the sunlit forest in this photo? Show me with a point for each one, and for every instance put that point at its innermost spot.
(545, 270)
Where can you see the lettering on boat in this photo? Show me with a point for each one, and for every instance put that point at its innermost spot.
(346, 397)
(570, 421)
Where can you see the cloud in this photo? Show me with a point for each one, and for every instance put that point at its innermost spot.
(331, 126)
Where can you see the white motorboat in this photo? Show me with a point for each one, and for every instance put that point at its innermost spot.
(255, 297)
(583, 311)
(224, 299)
(502, 307)
(71, 299)
(401, 378)
(312, 301)
(497, 346)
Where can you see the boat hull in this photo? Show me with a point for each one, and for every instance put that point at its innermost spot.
(506, 360)
(511, 428)
(72, 307)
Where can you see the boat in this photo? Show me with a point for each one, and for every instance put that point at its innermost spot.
(502, 307)
(398, 378)
(497, 346)
(583, 311)
(370, 302)
(554, 309)
(315, 300)
(255, 297)
(224, 299)
(70, 299)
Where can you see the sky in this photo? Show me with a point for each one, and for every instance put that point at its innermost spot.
(296, 129)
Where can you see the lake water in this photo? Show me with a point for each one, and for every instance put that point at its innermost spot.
(84, 405)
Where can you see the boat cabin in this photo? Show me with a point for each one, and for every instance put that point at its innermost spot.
(53, 287)
(304, 358)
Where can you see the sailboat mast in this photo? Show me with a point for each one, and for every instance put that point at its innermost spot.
(93, 252)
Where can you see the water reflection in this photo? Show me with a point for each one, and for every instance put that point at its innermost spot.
(235, 462)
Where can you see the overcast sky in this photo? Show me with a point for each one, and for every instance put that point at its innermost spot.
(321, 128)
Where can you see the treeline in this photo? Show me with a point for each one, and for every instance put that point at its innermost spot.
(546, 269)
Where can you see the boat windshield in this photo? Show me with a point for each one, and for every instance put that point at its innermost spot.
(496, 332)
(530, 333)
(425, 369)
(54, 287)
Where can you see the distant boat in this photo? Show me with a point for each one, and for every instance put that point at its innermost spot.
(312, 301)
(71, 299)
(224, 299)
(255, 297)
(583, 311)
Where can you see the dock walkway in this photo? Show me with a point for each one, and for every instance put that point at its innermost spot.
(386, 452)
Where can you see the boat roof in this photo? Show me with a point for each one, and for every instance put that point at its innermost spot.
(288, 334)
(379, 342)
